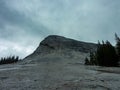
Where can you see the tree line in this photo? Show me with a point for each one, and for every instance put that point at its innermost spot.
(106, 54)
(9, 60)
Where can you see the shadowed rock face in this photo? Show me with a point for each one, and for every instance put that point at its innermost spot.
(54, 42)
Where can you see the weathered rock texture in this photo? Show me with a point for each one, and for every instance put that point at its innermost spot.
(55, 42)
(57, 64)
(61, 47)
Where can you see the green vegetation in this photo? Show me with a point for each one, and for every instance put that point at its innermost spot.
(117, 45)
(106, 54)
(8, 60)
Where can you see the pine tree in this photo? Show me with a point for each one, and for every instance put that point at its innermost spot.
(104, 56)
(117, 45)
(87, 62)
(8, 60)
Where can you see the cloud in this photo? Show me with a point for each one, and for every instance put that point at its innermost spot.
(12, 48)
(26, 22)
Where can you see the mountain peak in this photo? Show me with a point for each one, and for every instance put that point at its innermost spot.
(55, 42)
(54, 46)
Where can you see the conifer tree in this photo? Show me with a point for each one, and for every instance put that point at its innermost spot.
(8, 60)
(117, 45)
(104, 56)
(87, 62)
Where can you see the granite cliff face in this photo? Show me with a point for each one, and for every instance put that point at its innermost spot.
(58, 47)
(58, 64)
(54, 42)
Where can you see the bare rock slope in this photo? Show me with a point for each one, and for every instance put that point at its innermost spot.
(57, 64)
(54, 42)
(58, 47)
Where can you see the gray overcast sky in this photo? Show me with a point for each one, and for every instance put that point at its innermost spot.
(24, 23)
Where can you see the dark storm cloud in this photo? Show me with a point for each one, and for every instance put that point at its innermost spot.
(24, 23)
(12, 17)
(9, 15)
(17, 30)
